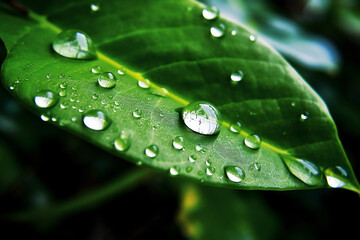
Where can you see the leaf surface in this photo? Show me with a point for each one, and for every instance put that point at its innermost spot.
(169, 43)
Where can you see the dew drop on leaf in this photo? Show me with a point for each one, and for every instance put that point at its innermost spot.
(96, 69)
(94, 7)
(304, 116)
(217, 30)
(235, 173)
(236, 127)
(202, 117)
(252, 38)
(175, 170)
(210, 13)
(96, 120)
(122, 143)
(44, 118)
(188, 169)
(107, 80)
(253, 142)
(336, 176)
(152, 151)
(137, 113)
(46, 99)
(144, 84)
(236, 76)
(120, 72)
(304, 170)
(210, 171)
(192, 158)
(178, 142)
(255, 166)
(74, 44)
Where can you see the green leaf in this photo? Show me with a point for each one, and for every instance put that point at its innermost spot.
(167, 46)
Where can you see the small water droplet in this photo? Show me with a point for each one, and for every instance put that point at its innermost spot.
(152, 151)
(122, 143)
(236, 127)
(62, 93)
(107, 80)
(137, 113)
(235, 173)
(210, 13)
(94, 7)
(304, 170)
(144, 84)
(255, 166)
(46, 99)
(233, 32)
(96, 120)
(304, 116)
(74, 44)
(120, 72)
(11, 88)
(237, 76)
(188, 169)
(64, 105)
(253, 141)
(175, 170)
(336, 176)
(217, 30)
(95, 96)
(178, 142)
(210, 171)
(192, 158)
(202, 117)
(252, 37)
(44, 117)
(293, 104)
(96, 69)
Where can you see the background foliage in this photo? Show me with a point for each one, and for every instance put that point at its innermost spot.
(32, 178)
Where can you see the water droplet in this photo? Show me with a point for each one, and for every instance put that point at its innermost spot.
(107, 80)
(174, 171)
(144, 84)
(62, 93)
(253, 141)
(64, 105)
(210, 13)
(122, 143)
(235, 128)
(217, 30)
(74, 44)
(235, 173)
(192, 158)
(11, 88)
(120, 72)
(178, 142)
(44, 117)
(152, 151)
(96, 120)
(304, 116)
(236, 77)
(336, 176)
(202, 117)
(95, 96)
(304, 170)
(94, 7)
(137, 113)
(96, 69)
(210, 171)
(233, 32)
(188, 169)
(255, 166)
(252, 38)
(46, 99)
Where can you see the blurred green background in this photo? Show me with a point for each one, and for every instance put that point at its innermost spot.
(50, 172)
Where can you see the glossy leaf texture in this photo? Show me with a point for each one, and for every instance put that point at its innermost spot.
(155, 57)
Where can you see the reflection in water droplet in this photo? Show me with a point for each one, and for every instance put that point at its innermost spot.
(96, 120)
(336, 176)
(210, 13)
(304, 116)
(253, 141)
(178, 143)
(236, 77)
(122, 143)
(235, 173)
(252, 38)
(174, 171)
(46, 99)
(152, 151)
(217, 30)
(192, 158)
(74, 44)
(137, 113)
(107, 80)
(235, 128)
(202, 117)
(304, 170)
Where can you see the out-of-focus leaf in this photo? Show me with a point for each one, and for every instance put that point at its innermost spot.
(9, 169)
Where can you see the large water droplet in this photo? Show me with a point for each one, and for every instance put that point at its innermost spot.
(210, 13)
(336, 176)
(46, 99)
(96, 120)
(253, 141)
(304, 170)
(174, 171)
(217, 30)
(107, 80)
(122, 143)
(202, 117)
(74, 44)
(152, 151)
(235, 173)
(237, 76)
(178, 142)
